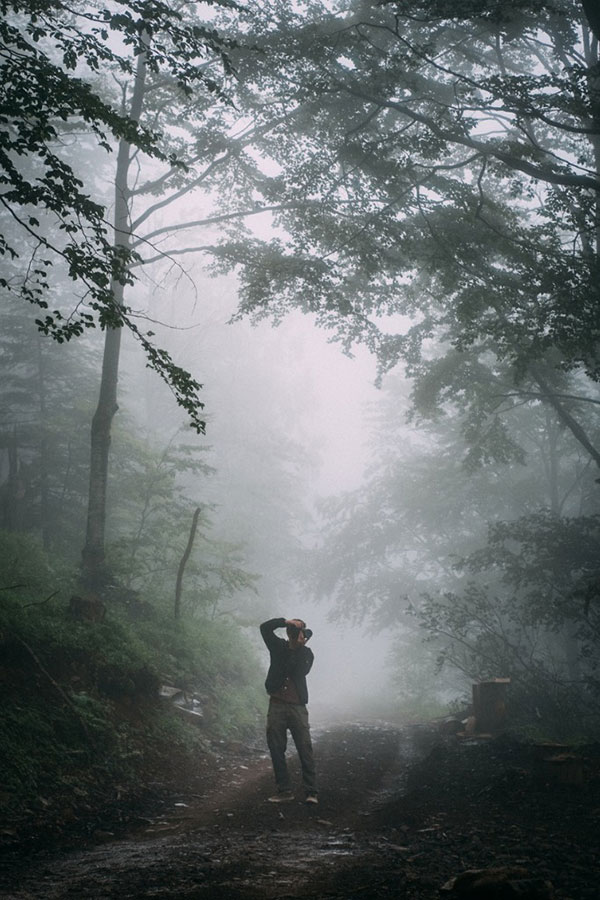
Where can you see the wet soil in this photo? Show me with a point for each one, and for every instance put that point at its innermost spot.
(402, 810)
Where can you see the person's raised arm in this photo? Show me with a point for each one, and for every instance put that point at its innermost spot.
(267, 630)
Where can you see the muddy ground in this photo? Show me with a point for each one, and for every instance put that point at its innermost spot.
(402, 810)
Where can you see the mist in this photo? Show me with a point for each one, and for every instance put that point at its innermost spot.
(300, 324)
(265, 387)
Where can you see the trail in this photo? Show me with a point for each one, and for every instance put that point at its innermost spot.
(398, 816)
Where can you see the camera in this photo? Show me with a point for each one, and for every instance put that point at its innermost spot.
(293, 632)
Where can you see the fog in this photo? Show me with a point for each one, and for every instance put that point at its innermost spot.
(263, 387)
(351, 673)
(443, 522)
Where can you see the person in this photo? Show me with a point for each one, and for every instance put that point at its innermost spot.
(290, 662)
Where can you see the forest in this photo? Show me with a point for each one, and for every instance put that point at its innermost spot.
(300, 315)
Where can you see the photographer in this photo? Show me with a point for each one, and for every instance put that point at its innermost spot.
(291, 661)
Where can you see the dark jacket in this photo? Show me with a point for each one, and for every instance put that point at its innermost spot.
(284, 661)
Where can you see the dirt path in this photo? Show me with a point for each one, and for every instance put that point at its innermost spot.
(395, 819)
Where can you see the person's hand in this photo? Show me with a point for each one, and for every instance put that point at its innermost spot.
(300, 638)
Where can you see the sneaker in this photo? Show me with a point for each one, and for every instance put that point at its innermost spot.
(312, 798)
(281, 797)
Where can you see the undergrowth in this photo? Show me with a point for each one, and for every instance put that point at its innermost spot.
(82, 720)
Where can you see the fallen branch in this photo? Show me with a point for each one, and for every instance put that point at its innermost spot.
(41, 602)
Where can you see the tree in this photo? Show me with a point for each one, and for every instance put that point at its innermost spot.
(47, 54)
(163, 86)
(45, 397)
(439, 178)
(526, 610)
(495, 565)
(438, 168)
(425, 503)
(159, 492)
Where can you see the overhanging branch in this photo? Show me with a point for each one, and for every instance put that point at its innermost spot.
(539, 173)
(215, 220)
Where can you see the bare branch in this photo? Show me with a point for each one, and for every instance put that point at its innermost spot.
(181, 251)
(215, 220)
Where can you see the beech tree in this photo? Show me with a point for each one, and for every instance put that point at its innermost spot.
(202, 145)
(438, 168)
(51, 57)
(163, 97)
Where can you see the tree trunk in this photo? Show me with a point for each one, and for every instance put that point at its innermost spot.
(45, 522)
(592, 12)
(550, 459)
(93, 551)
(183, 563)
(94, 572)
(13, 519)
(565, 416)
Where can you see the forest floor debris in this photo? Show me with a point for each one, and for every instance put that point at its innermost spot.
(403, 812)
